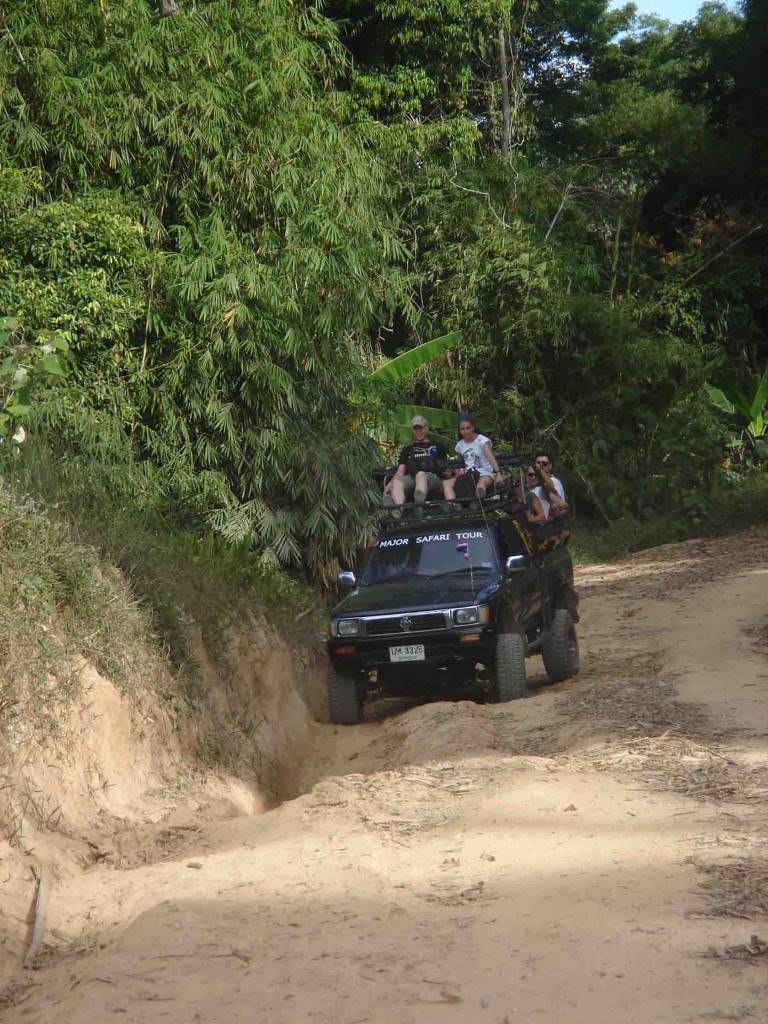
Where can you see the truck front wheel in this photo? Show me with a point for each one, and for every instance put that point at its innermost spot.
(345, 698)
(560, 647)
(509, 679)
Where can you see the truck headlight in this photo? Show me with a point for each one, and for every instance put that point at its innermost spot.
(348, 627)
(465, 616)
(471, 616)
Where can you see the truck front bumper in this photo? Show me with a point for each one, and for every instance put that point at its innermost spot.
(350, 654)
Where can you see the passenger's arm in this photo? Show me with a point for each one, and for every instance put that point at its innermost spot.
(492, 459)
(536, 512)
(553, 495)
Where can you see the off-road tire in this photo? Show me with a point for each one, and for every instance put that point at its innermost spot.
(509, 679)
(345, 700)
(560, 647)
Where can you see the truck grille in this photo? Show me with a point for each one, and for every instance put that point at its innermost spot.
(402, 625)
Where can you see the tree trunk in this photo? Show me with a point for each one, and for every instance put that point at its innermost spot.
(615, 260)
(633, 242)
(167, 7)
(506, 131)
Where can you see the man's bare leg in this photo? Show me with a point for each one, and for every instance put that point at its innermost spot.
(420, 488)
(398, 491)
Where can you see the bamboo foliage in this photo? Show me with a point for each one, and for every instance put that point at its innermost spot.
(270, 239)
(223, 213)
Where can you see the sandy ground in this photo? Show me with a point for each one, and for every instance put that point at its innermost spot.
(596, 852)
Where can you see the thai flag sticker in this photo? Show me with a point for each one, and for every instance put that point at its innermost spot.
(463, 548)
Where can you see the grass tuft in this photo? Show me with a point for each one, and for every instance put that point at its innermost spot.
(59, 604)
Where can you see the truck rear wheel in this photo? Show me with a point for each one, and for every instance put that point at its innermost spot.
(509, 679)
(345, 699)
(560, 647)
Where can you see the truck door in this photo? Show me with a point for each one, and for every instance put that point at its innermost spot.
(522, 589)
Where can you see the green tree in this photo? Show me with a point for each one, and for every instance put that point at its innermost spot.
(271, 245)
(417, 60)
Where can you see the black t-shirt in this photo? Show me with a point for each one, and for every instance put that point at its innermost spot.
(428, 456)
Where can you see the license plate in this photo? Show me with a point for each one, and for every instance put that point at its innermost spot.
(409, 652)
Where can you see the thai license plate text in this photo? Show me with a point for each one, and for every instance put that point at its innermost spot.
(407, 652)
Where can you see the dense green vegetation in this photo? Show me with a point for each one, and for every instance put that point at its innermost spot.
(215, 225)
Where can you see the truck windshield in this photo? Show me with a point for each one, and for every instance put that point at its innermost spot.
(433, 553)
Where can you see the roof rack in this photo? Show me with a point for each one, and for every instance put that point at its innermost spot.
(440, 511)
(514, 460)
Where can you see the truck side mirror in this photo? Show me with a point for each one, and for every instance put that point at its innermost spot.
(347, 579)
(516, 563)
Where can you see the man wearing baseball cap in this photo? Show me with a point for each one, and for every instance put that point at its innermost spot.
(420, 466)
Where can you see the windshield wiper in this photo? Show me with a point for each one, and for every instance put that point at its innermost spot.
(427, 575)
(466, 568)
(398, 579)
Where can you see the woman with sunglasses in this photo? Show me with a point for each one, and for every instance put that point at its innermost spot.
(534, 510)
(550, 490)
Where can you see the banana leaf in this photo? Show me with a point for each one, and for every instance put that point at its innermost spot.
(396, 427)
(718, 399)
(400, 433)
(740, 403)
(757, 427)
(750, 410)
(401, 366)
(438, 419)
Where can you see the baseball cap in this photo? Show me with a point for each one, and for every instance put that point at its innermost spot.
(419, 421)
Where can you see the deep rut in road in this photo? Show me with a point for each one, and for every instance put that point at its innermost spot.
(598, 851)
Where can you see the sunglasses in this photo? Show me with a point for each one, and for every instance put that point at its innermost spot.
(531, 476)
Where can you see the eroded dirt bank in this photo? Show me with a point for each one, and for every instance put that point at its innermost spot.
(113, 781)
(597, 852)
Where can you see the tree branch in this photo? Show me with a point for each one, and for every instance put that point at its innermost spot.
(506, 130)
(738, 241)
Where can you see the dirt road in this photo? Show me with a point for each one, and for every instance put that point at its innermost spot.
(597, 852)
